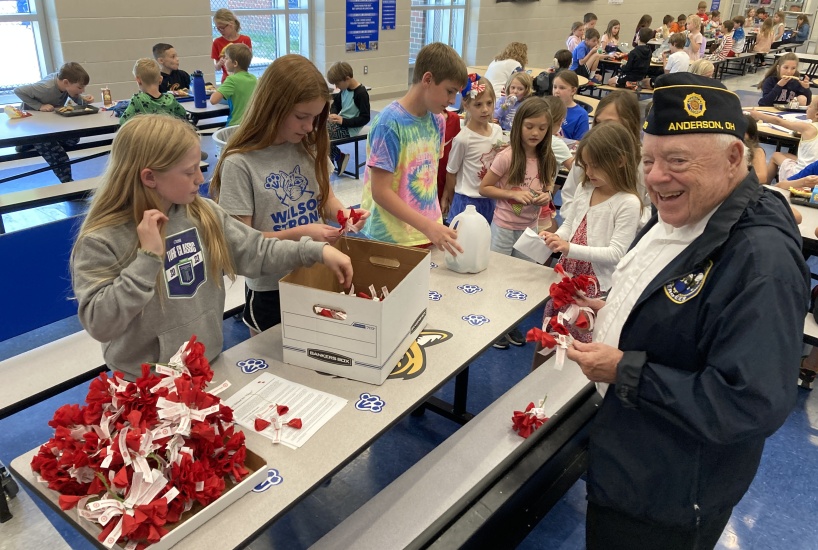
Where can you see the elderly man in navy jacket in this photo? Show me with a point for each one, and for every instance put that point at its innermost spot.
(700, 337)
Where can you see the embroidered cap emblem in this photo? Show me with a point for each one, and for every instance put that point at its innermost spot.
(694, 105)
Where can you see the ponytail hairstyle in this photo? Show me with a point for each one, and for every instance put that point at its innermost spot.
(627, 111)
(533, 107)
(225, 16)
(158, 142)
(288, 81)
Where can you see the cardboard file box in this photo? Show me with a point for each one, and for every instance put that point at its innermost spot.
(367, 345)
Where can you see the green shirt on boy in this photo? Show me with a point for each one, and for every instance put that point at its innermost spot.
(237, 89)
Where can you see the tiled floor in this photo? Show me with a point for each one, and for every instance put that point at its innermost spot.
(778, 512)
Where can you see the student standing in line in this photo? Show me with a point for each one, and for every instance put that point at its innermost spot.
(473, 150)
(403, 152)
(273, 174)
(521, 181)
(147, 266)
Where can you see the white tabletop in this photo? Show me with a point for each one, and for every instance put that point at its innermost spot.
(809, 217)
(43, 125)
(352, 430)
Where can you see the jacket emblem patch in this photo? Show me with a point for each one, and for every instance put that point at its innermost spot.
(687, 287)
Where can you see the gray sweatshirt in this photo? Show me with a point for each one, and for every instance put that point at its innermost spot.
(140, 322)
(44, 92)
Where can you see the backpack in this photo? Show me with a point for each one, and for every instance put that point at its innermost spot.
(788, 36)
(543, 84)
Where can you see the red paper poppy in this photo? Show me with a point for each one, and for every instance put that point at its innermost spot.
(260, 424)
(545, 340)
(295, 423)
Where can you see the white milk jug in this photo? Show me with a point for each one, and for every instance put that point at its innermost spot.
(474, 237)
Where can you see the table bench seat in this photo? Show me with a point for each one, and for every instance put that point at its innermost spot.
(69, 361)
(482, 452)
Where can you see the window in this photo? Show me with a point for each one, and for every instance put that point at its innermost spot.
(436, 21)
(22, 31)
(276, 27)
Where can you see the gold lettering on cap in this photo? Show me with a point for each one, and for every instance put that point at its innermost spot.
(699, 125)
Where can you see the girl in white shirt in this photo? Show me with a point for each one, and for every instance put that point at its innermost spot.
(473, 150)
(607, 207)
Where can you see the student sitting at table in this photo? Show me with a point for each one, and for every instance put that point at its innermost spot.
(703, 67)
(150, 100)
(51, 93)
(575, 124)
(782, 83)
(725, 49)
(680, 24)
(585, 58)
(739, 37)
(575, 38)
(784, 165)
(678, 61)
(756, 157)
(714, 24)
(764, 41)
(173, 78)
(801, 29)
(664, 31)
(644, 21)
(610, 40)
(349, 111)
(238, 87)
(778, 28)
(636, 67)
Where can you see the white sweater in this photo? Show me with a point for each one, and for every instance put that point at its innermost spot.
(611, 226)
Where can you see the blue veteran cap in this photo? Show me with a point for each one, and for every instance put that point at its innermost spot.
(686, 103)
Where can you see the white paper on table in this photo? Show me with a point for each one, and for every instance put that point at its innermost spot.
(532, 246)
(314, 408)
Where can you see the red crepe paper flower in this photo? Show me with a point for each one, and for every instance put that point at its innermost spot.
(295, 423)
(525, 422)
(554, 325)
(353, 218)
(363, 295)
(84, 457)
(260, 424)
(536, 335)
(282, 409)
(582, 322)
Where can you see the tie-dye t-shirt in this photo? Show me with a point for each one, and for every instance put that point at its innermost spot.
(409, 147)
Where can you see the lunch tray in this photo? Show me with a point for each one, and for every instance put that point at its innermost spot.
(785, 107)
(802, 201)
(79, 110)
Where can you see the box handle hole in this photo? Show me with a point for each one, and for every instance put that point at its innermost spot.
(380, 261)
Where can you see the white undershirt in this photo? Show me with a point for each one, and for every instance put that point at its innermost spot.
(635, 272)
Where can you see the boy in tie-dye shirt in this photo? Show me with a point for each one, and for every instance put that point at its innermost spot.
(404, 147)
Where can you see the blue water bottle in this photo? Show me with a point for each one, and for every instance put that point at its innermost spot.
(199, 94)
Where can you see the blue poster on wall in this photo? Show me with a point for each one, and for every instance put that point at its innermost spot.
(714, 5)
(388, 11)
(362, 25)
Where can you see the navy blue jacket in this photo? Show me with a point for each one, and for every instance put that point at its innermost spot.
(702, 383)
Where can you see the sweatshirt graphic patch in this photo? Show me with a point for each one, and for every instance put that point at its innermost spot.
(184, 264)
(300, 204)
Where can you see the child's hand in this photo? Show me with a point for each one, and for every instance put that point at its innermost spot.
(337, 119)
(544, 234)
(805, 81)
(88, 98)
(321, 233)
(522, 196)
(583, 301)
(46, 108)
(364, 215)
(543, 198)
(149, 232)
(444, 238)
(783, 82)
(556, 244)
(339, 263)
(757, 115)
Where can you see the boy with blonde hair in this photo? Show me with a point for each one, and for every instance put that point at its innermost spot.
(51, 93)
(173, 78)
(150, 100)
(349, 111)
(404, 148)
(238, 87)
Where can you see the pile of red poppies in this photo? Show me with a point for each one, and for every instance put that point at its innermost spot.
(137, 455)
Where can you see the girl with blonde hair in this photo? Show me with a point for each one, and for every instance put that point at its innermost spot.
(229, 27)
(273, 174)
(148, 262)
(517, 89)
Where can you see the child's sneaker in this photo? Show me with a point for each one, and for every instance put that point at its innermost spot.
(515, 337)
(501, 343)
(806, 378)
(343, 160)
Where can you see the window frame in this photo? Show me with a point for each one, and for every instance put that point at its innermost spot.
(41, 36)
(286, 11)
(451, 6)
